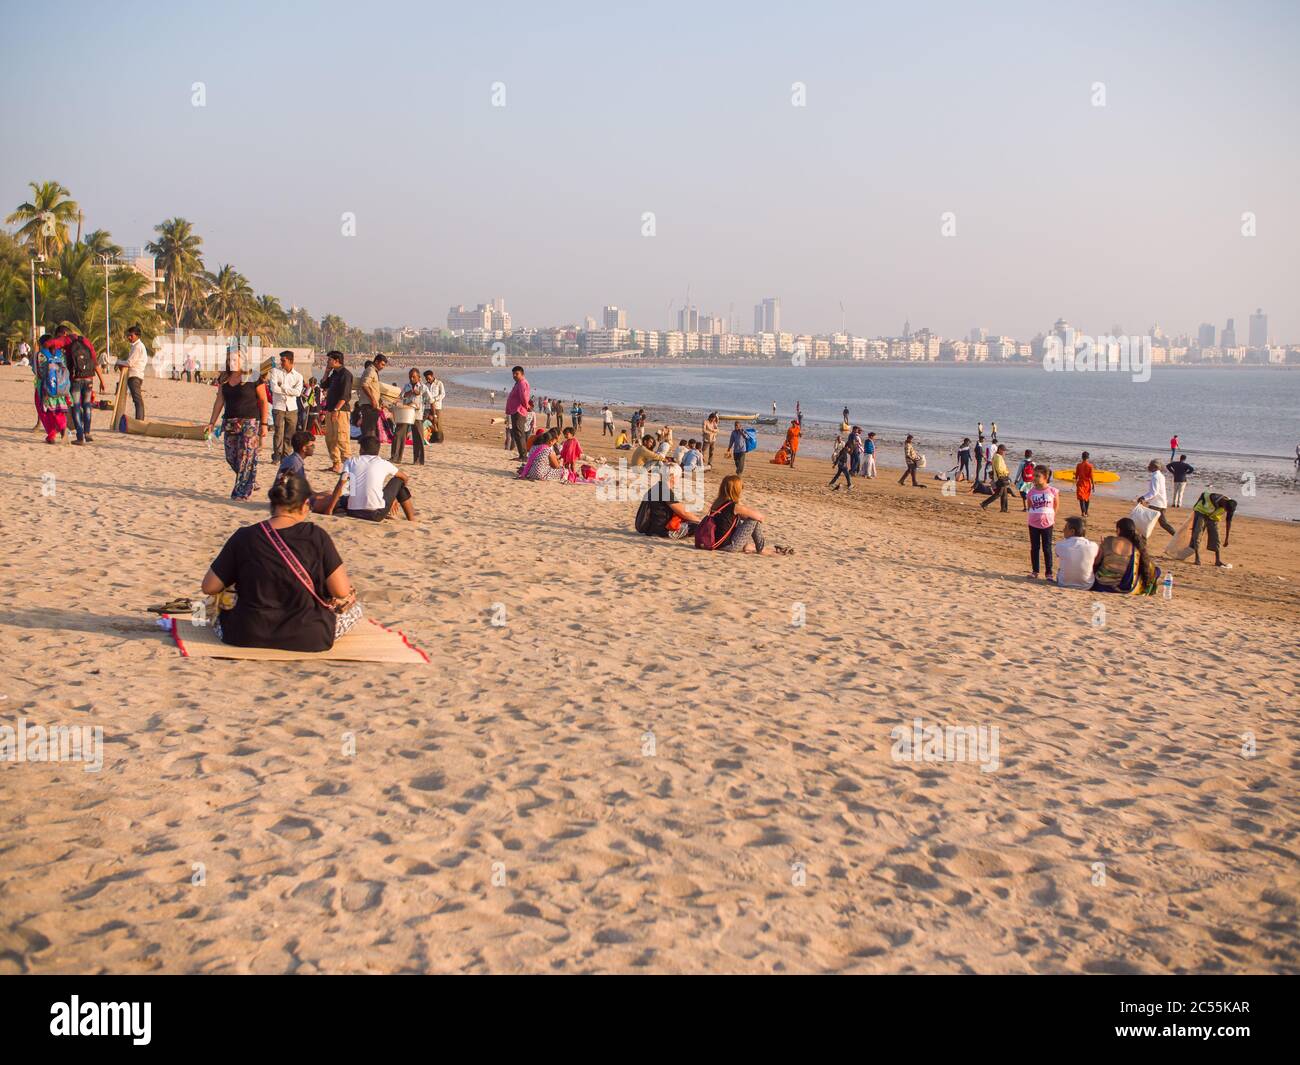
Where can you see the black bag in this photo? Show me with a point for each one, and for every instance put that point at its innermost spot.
(81, 363)
(981, 489)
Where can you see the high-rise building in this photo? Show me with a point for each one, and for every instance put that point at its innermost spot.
(1259, 329)
(1228, 338)
(767, 316)
(688, 320)
(1205, 335)
(615, 317)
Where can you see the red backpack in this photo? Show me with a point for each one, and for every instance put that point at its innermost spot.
(709, 534)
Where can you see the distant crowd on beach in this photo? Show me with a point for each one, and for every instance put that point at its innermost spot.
(281, 583)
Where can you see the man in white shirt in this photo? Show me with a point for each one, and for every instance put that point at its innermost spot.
(435, 392)
(135, 362)
(285, 385)
(374, 485)
(1156, 497)
(1075, 556)
(607, 421)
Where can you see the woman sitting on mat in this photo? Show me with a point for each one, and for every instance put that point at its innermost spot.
(291, 590)
(740, 528)
(1123, 565)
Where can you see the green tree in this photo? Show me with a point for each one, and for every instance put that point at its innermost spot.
(43, 220)
(177, 253)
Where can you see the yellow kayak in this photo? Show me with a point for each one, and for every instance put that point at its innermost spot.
(1098, 476)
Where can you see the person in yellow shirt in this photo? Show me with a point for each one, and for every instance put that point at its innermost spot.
(1001, 479)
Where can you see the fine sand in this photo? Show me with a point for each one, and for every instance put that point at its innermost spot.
(627, 755)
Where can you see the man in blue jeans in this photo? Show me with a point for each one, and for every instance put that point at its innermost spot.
(83, 369)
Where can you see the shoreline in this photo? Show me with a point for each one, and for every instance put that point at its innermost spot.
(1130, 462)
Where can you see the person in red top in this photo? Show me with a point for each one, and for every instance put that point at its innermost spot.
(518, 404)
(570, 451)
(1173, 446)
(1083, 482)
(82, 371)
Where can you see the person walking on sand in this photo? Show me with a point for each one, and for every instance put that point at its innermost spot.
(841, 460)
(963, 459)
(606, 421)
(1154, 498)
(710, 431)
(1001, 479)
(913, 459)
(1083, 482)
(792, 439)
(1173, 446)
(518, 407)
(285, 385)
(1041, 506)
(869, 454)
(737, 445)
(1180, 471)
(242, 399)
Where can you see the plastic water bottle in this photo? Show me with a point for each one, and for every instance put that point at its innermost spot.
(1168, 583)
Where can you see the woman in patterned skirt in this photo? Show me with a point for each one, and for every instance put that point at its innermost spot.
(243, 428)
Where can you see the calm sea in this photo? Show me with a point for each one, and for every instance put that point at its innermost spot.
(1252, 412)
(1228, 420)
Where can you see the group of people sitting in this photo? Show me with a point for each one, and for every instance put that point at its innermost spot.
(728, 525)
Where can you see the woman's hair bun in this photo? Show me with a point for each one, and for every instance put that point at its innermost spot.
(289, 490)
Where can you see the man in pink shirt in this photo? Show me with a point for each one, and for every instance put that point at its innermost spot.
(518, 404)
(1040, 500)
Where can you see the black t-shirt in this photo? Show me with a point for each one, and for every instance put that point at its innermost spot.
(659, 511)
(241, 400)
(1180, 470)
(339, 389)
(273, 608)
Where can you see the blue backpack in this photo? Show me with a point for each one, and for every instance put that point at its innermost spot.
(751, 439)
(56, 382)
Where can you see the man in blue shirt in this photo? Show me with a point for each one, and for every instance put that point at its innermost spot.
(737, 445)
(869, 448)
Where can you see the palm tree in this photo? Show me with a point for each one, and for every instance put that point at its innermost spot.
(100, 243)
(230, 300)
(333, 331)
(43, 220)
(272, 321)
(177, 251)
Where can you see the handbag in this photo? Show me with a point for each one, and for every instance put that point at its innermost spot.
(347, 611)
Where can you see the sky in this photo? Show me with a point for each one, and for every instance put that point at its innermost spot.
(1125, 214)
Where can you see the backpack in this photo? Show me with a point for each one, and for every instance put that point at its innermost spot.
(56, 382)
(81, 363)
(708, 534)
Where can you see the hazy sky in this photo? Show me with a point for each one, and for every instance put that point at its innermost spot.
(1125, 214)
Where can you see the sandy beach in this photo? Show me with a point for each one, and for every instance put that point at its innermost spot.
(662, 761)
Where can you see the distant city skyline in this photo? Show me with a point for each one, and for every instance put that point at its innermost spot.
(955, 164)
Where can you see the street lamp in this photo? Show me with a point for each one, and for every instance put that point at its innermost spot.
(108, 326)
(35, 335)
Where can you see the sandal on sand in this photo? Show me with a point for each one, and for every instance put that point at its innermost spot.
(180, 605)
(780, 550)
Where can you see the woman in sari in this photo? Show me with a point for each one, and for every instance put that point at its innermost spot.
(246, 408)
(542, 463)
(1123, 565)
